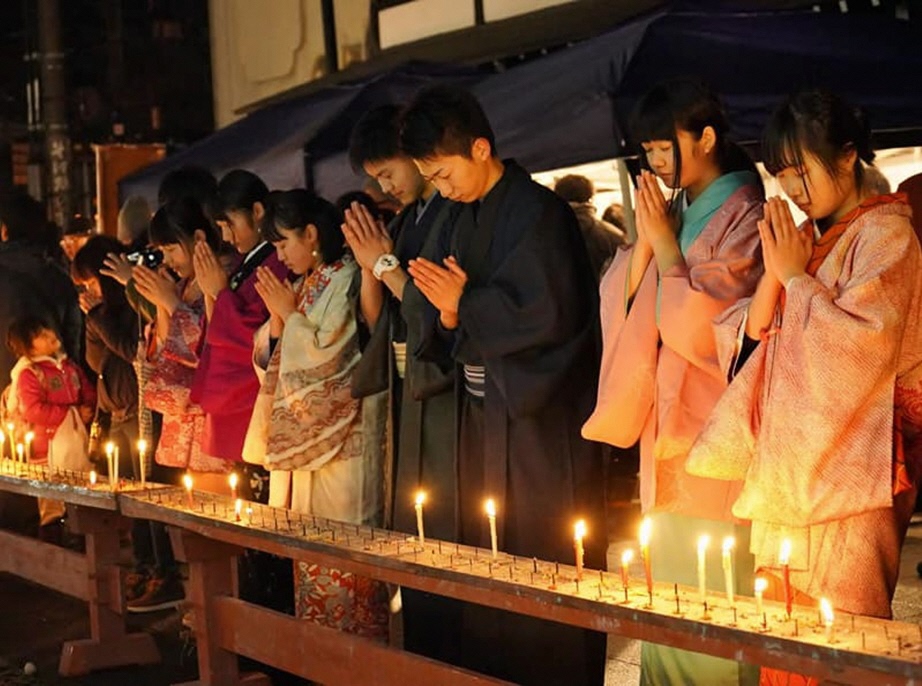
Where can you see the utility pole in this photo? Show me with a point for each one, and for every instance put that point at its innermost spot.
(54, 110)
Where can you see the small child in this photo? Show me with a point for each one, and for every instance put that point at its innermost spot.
(50, 396)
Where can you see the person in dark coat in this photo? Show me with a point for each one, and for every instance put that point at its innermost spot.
(517, 312)
(602, 239)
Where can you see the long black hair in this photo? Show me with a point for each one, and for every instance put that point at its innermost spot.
(686, 105)
(294, 210)
(177, 222)
(238, 191)
(89, 262)
(821, 124)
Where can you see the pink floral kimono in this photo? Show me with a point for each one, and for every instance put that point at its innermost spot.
(821, 422)
(324, 448)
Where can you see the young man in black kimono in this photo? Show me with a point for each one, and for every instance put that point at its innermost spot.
(422, 455)
(517, 312)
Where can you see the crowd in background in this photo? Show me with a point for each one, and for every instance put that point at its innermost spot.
(489, 341)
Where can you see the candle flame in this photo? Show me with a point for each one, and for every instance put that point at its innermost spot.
(729, 542)
(187, 481)
(421, 498)
(11, 428)
(142, 445)
(110, 448)
(93, 477)
(646, 529)
(579, 530)
(491, 508)
(761, 584)
(627, 556)
(19, 448)
(826, 609)
(2, 437)
(703, 542)
(30, 436)
(233, 480)
(784, 556)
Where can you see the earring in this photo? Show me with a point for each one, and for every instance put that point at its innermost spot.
(314, 253)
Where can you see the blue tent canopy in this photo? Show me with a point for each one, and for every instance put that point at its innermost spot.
(572, 105)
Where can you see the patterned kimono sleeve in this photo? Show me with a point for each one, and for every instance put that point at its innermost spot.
(184, 336)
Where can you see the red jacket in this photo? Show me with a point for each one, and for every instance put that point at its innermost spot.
(45, 389)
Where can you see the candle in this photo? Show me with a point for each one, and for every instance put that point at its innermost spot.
(727, 560)
(11, 432)
(491, 515)
(30, 436)
(238, 507)
(110, 453)
(579, 532)
(646, 530)
(3, 443)
(626, 558)
(420, 530)
(187, 482)
(784, 558)
(115, 463)
(828, 618)
(761, 584)
(249, 515)
(232, 482)
(92, 477)
(703, 541)
(20, 453)
(142, 459)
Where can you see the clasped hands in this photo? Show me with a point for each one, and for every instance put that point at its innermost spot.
(442, 286)
(786, 249)
(366, 237)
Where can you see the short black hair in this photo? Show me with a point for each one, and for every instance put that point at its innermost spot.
(344, 202)
(89, 262)
(574, 188)
(375, 137)
(177, 222)
(23, 216)
(293, 210)
(238, 191)
(818, 123)
(23, 330)
(189, 181)
(443, 120)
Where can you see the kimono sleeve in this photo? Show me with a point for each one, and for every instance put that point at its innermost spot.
(184, 336)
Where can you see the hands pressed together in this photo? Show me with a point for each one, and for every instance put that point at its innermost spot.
(278, 295)
(366, 237)
(442, 286)
(655, 224)
(209, 274)
(786, 249)
(156, 287)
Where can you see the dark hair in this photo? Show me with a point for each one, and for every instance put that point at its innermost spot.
(817, 123)
(189, 181)
(344, 202)
(443, 120)
(375, 137)
(686, 105)
(89, 262)
(23, 330)
(293, 210)
(238, 191)
(178, 221)
(23, 216)
(574, 188)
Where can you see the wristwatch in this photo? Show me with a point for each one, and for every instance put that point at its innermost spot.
(385, 263)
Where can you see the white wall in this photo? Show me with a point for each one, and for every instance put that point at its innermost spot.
(421, 19)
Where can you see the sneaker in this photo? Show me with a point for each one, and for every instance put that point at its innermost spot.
(161, 594)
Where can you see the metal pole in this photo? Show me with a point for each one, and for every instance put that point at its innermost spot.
(54, 110)
(331, 53)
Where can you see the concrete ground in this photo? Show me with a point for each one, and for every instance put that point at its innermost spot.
(35, 621)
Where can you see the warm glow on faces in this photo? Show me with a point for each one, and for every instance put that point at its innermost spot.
(296, 251)
(240, 229)
(45, 344)
(695, 160)
(398, 177)
(815, 191)
(460, 178)
(177, 258)
(91, 285)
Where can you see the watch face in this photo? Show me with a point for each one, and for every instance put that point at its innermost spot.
(389, 262)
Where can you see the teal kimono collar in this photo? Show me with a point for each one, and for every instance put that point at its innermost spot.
(699, 213)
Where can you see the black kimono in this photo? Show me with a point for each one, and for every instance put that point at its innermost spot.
(528, 347)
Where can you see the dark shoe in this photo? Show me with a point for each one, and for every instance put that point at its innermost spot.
(161, 594)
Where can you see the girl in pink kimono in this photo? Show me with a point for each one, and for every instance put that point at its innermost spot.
(324, 448)
(173, 341)
(821, 421)
(696, 254)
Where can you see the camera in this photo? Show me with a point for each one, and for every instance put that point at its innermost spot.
(149, 257)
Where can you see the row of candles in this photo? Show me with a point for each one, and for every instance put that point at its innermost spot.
(21, 451)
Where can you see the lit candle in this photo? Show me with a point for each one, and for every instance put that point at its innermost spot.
(11, 432)
(30, 436)
(115, 462)
(187, 482)
(110, 454)
(784, 559)
(579, 532)
(646, 530)
(761, 584)
(626, 558)
(249, 516)
(491, 515)
(420, 530)
(232, 481)
(703, 541)
(142, 459)
(2, 443)
(828, 618)
(727, 560)
(20, 453)
(92, 477)
(238, 507)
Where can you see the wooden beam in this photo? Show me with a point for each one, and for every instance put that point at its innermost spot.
(45, 564)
